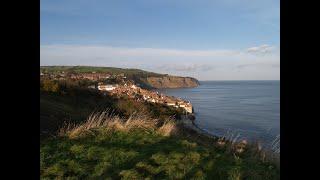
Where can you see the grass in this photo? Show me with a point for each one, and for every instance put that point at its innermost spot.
(56, 109)
(109, 122)
(137, 75)
(78, 104)
(109, 147)
(89, 69)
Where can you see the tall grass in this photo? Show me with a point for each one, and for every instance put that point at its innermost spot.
(109, 121)
(141, 147)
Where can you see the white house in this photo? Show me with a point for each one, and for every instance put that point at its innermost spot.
(151, 100)
(145, 97)
(134, 86)
(106, 87)
(92, 87)
(171, 103)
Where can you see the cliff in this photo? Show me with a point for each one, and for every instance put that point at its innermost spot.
(172, 82)
(144, 78)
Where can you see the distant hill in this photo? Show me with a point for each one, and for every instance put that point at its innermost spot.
(89, 69)
(144, 78)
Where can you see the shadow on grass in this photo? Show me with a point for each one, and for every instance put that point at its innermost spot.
(139, 155)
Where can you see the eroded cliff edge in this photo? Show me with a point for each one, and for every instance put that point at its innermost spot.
(172, 82)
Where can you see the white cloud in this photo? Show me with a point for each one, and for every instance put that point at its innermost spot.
(185, 67)
(263, 49)
(120, 51)
(202, 64)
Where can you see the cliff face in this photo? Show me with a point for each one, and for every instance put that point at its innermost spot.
(172, 82)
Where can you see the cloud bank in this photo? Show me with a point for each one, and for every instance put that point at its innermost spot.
(253, 63)
(263, 49)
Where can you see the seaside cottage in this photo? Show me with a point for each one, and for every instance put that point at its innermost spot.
(134, 87)
(92, 87)
(106, 87)
(171, 103)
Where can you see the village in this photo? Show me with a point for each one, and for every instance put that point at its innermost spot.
(122, 87)
(131, 90)
(94, 76)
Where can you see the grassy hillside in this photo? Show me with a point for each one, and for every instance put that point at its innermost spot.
(55, 109)
(134, 140)
(77, 104)
(140, 77)
(89, 69)
(105, 148)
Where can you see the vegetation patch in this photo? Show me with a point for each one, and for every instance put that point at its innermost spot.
(108, 147)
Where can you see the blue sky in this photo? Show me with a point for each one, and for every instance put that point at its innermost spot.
(207, 39)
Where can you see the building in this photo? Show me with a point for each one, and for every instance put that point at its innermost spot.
(92, 87)
(95, 76)
(132, 91)
(171, 103)
(106, 87)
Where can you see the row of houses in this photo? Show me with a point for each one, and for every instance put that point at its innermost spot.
(94, 76)
(91, 76)
(107, 87)
(53, 76)
(132, 91)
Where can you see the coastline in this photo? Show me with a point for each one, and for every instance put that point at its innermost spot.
(189, 123)
(246, 110)
(101, 144)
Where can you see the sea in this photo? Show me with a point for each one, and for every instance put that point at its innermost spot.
(236, 109)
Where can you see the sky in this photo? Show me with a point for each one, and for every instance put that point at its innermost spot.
(205, 39)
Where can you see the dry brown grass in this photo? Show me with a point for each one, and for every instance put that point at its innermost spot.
(109, 122)
(168, 128)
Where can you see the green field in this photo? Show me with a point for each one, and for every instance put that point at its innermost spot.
(136, 75)
(146, 155)
(89, 69)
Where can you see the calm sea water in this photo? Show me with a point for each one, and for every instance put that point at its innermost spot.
(248, 109)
